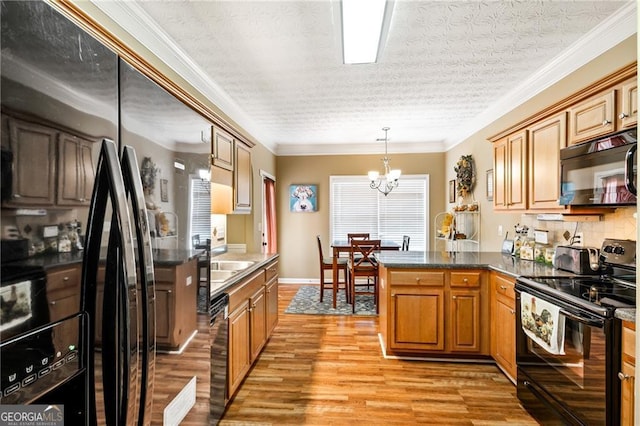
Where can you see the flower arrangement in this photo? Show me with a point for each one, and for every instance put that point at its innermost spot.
(464, 175)
(148, 171)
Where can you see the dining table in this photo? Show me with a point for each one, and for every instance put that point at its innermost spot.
(344, 246)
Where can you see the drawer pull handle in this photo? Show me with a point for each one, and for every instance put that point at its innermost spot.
(503, 287)
(65, 279)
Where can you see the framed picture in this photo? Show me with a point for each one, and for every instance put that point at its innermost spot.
(490, 185)
(452, 191)
(303, 198)
(164, 194)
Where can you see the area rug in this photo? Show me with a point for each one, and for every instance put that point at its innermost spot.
(307, 301)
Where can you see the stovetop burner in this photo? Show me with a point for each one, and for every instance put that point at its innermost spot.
(603, 291)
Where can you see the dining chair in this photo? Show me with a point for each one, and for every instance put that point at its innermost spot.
(405, 243)
(358, 236)
(363, 264)
(326, 264)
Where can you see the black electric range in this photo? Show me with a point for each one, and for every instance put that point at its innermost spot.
(599, 294)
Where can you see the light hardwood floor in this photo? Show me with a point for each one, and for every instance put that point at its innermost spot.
(329, 370)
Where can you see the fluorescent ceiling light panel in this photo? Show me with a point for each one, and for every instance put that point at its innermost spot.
(362, 22)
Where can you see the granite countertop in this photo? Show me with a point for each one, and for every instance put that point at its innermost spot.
(163, 257)
(259, 259)
(496, 261)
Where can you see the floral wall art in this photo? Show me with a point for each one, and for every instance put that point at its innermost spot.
(465, 176)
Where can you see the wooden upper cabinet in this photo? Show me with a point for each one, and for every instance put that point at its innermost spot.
(628, 110)
(221, 148)
(76, 170)
(242, 179)
(510, 165)
(545, 141)
(592, 117)
(33, 173)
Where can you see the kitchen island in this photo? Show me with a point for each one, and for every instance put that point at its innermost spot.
(441, 304)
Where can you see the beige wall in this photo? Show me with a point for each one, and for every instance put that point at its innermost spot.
(297, 231)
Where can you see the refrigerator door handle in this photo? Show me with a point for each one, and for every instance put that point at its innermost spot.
(133, 184)
(119, 322)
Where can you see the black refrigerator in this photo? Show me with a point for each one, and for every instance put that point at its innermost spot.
(90, 352)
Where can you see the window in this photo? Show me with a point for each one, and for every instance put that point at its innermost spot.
(357, 208)
(199, 209)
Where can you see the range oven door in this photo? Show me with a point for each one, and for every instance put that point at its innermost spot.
(577, 385)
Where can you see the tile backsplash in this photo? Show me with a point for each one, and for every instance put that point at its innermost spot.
(620, 224)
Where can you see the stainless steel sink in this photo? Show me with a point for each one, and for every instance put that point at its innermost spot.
(230, 265)
(220, 276)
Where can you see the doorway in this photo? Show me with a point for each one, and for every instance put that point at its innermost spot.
(268, 228)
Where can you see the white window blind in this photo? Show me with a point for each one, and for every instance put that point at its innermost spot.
(357, 208)
(199, 209)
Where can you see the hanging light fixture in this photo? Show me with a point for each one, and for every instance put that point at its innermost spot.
(386, 183)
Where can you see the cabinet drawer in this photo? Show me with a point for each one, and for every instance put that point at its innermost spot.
(417, 278)
(63, 278)
(504, 286)
(465, 279)
(271, 271)
(629, 339)
(164, 274)
(245, 289)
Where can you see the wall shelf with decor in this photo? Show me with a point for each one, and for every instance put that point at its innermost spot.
(163, 227)
(457, 231)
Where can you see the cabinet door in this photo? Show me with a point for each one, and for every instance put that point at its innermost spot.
(417, 319)
(239, 354)
(516, 171)
(592, 118)
(258, 310)
(242, 179)
(504, 336)
(464, 321)
(76, 171)
(34, 152)
(165, 315)
(222, 148)
(628, 114)
(545, 141)
(627, 374)
(500, 175)
(272, 305)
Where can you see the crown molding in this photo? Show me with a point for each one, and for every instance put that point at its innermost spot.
(360, 149)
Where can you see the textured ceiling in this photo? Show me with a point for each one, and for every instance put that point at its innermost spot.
(277, 66)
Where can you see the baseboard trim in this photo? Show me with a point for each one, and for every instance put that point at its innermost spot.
(315, 281)
(420, 358)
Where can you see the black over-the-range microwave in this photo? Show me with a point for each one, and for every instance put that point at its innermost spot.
(601, 172)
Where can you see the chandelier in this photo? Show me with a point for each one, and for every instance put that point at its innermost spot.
(386, 183)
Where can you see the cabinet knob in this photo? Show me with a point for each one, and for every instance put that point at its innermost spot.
(169, 291)
(465, 280)
(623, 115)
(417, 279)
(503, 287)
(512, 312)
(65, 279)
(454, 297)
(623, 376)
(606, 122)
(53, 302)
(393, 295)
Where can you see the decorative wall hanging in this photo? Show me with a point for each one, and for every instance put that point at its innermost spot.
(465, 175)
(490, 185)
(148, 171)
(452, 191)
(164, 195)
(303, 198)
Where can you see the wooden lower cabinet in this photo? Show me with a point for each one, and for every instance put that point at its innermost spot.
(434, 311)
(503, 323)
(63, 297)
(239, 346)
(627, 374)
(253, 304)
